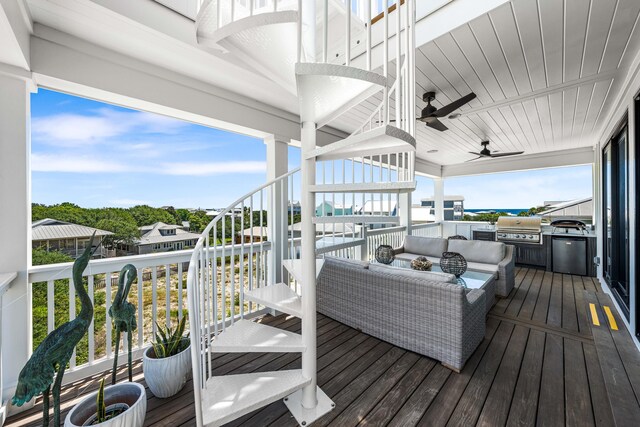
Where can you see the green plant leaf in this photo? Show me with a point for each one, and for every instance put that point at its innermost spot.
(102, 410)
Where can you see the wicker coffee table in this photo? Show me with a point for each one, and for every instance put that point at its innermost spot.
(470, 279)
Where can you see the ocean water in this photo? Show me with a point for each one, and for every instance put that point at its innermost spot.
(511, 211)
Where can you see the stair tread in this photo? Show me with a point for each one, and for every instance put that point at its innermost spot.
(327, 90)
(366, 187)
(294, 267)
(228, 397)
(245, 336)
(357, 219)
(278, 296)
(381, 140)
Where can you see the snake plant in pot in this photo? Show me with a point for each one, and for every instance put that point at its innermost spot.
(120, 405)
(167, 362)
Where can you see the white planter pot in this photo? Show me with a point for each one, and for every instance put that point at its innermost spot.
(131, 394)
(165, 377)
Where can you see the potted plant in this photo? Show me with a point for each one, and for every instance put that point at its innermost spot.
(167, 362)
(120, 405)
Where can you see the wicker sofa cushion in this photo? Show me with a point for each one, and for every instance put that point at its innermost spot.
(414, 274)
(478, 251)
(354, 263)
(429, 246)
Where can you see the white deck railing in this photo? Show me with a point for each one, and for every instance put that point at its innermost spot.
(159, 292)
(164, 301)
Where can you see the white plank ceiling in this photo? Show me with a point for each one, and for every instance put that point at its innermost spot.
(545, 73)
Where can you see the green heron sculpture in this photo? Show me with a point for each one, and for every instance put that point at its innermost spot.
(54, 352)
(123, 314)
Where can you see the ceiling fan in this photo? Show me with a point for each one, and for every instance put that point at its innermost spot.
(485, 152)
(431, 114)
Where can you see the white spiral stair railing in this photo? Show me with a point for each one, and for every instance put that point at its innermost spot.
(313, 49)
(222, 296)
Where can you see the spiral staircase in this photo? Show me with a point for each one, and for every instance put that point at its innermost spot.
(324, 52)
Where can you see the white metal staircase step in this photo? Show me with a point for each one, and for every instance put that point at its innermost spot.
(381, 140)
(294, 267)
(366, 187)
(278, 296)
(326, 91)
(228, 397)
(245, 39)
(245, 336)
(357, 219)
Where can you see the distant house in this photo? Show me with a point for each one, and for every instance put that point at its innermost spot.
(580, 209)
(161, 237)
(330, 209)
(68, 238)
(453, 207)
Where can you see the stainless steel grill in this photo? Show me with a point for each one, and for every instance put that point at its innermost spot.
(519, 230)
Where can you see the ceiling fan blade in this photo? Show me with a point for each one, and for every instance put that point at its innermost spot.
(448, 109)
(513, 153)
(471, 160)
(436, 124)
(476, 154)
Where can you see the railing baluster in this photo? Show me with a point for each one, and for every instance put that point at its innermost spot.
(241, 263)
(72, 315)
(223, 273)
(140, 308)
(91, 331)
(154, 297)
(167, 283)
(325, 31)
(107, 305)
(347, 49)
(51, 307)
(232, 267)
(368, 23)
(250, 260)
(180, 287)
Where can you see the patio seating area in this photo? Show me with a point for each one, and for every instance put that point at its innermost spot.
(539, 364)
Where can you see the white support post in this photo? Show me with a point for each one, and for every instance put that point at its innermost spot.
(15, 226)
(404, 207)
(438, 199)
(277, 165)
(309, 398)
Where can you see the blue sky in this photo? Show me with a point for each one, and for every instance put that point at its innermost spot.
(94, 154)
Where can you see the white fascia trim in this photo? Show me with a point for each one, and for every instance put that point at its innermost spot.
(64, 63)
(550, 159)
(15, 16)
(428, 169)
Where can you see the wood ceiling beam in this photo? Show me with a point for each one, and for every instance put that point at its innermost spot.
(542, 92)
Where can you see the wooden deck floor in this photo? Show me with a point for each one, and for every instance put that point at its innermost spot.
(538, 365)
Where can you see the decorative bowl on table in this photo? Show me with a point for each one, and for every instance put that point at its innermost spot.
(385, 254)
(421, 264)
(453, 263)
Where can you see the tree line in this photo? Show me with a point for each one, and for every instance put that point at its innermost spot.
(122, 222)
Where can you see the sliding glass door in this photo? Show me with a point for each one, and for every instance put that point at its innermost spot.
(616, 220)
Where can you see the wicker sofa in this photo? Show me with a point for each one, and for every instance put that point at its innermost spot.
(435, 317)
(494, 257)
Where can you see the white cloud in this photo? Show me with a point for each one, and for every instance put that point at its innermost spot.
(71, 130)
(91, 164)
(73, 164)
(211, 168)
